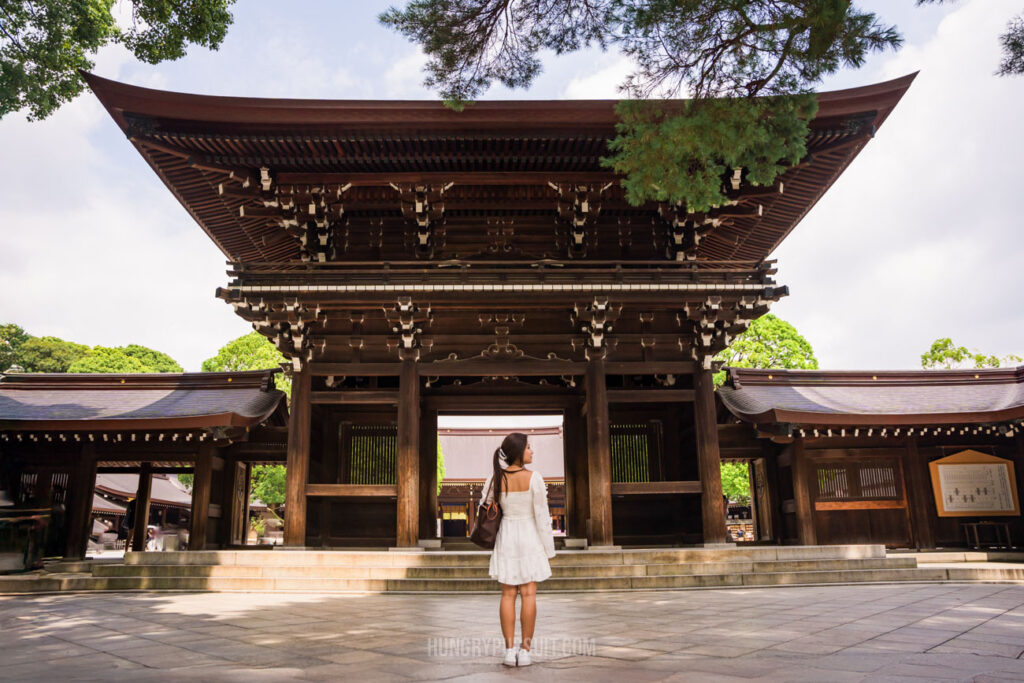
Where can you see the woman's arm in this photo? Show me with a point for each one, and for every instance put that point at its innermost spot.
(541, 513)
(487, 492)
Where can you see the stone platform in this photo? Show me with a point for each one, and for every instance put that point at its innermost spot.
(466, 571)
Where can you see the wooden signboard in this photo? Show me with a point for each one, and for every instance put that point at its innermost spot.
(974, 484)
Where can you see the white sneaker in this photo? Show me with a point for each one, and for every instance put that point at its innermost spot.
(510, 656)
(523, 658)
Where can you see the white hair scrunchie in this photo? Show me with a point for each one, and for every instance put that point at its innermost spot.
(502, 459)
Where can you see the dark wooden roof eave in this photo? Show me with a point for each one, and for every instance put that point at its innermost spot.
(118, 98)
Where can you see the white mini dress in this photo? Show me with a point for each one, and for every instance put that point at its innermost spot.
(525, 541)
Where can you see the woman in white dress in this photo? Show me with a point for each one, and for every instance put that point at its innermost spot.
(524, 542)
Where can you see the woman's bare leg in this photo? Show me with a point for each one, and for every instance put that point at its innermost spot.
(528, 612)
(507, 614)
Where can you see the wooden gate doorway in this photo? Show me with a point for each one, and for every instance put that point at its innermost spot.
(748, 501)
(466, 440)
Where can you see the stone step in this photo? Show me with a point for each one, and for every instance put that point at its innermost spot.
(69, 566)
(985, 573)
(481, 571)
(482, 557)
(80, 582)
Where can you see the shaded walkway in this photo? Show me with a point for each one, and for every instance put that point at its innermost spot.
(828, 633)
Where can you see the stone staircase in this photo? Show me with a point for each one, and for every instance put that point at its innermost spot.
(466, 571)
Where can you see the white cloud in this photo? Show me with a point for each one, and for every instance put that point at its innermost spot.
(602, 80)
(920, 238)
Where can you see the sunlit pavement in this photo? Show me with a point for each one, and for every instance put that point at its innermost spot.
(835, 633)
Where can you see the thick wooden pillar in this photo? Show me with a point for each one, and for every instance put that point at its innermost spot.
(599, 458)
(801, 468)
(576, 463)
(142, 495)
(202, 482)
(709, 459)
(919, 492)
(81, 485)
(408, 455)
(297, 462)
(428, 475)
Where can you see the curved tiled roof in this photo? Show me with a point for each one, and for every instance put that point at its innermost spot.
(920, 397)
(139, 401)
(197, 142)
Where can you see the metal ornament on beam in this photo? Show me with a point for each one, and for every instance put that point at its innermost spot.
(595, 320)
(405, 320)
(423, 206)
(578, 208)
(310, 214)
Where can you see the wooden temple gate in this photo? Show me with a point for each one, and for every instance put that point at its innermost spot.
(409, 259)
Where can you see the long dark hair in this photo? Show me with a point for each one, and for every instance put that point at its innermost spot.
(514, 447)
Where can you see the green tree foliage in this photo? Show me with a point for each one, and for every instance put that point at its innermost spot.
(268, 484)
(703, 49)
(944, 354)
(769, 342)
(1012, 41)
(440, 466)
(713, 137)
(105, 359)
(187, 480)
(736, 482)
(250, 352)
(156, 361)
(45, 44)
(12, 337)
(131, 358)
(50, 354)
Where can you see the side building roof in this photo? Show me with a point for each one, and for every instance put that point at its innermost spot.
(874, 398)
(191, 400)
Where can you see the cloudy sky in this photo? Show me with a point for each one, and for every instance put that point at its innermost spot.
(921, 237)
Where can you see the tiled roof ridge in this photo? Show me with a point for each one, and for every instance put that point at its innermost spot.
(240, 379)
(738, 377)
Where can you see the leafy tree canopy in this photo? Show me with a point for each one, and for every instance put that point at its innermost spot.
(250, 352)
(131, 358)
(12, 337)
(156, 361)
(944, 354)
(268, 484)
(712, 138)
(702, 49)
(49, 354)
(106, 359)
(769, 342)
(1013, 48)
(736, 482)
(45, 44)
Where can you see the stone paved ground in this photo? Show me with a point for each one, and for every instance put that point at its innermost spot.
(836, 633)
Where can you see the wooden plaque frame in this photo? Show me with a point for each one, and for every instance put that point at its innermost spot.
(970, 457)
